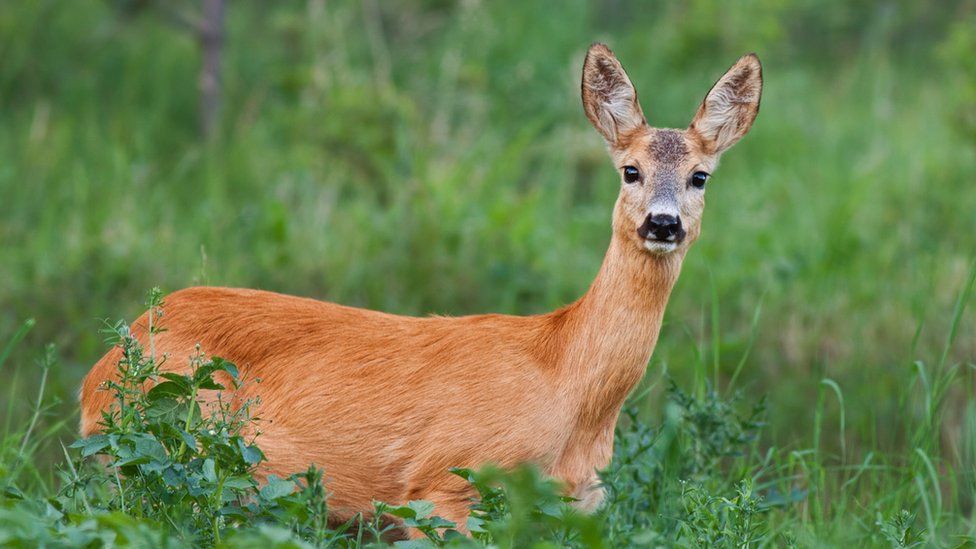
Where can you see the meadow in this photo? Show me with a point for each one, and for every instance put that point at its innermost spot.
(814, 381)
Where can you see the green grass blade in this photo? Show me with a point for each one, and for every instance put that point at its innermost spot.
(960, 307)
(19, 335)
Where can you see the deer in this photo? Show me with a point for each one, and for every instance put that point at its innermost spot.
(388, 404)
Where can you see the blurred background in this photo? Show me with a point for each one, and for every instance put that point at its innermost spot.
(431, 156)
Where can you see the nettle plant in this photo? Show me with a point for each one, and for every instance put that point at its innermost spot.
(174, 460)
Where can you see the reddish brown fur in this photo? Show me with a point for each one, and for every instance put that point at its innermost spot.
(386, 404)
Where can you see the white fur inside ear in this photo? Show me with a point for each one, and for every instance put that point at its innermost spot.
(731, 106)
(609, 98)
(719, 122)
(617, 111)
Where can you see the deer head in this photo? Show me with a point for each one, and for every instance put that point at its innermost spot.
(664, 171)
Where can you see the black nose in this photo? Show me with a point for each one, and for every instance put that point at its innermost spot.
(662, 227)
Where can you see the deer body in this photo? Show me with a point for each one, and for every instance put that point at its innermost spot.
(387, 404)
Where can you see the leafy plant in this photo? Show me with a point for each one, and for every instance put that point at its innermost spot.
(175, 459)
(523, 508)
(722, 521)
(659, 477)
(899, 530)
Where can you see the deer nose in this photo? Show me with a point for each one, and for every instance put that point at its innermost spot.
(664, 227)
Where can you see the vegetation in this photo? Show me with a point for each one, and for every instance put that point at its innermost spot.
(813, 384)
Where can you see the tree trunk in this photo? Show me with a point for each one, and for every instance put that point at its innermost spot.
(211, 42)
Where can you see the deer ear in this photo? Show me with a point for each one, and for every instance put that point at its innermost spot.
(730, 107)
(609, 99)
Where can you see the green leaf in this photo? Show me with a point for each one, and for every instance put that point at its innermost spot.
(187, 439)
(551, 508)
(180, 379)
(173, 477)
(402, 511)
(238, 483)
(147, 445)
(251, 454)
(438, 523)
(210, 384)
(476, 524)
(231, 369)
(12, 492)
(168, 389)
(276, 488)
(418, 509)
(466, 474)
(209, 470)
(235, 512)
(91, 445)
(139, 448)
(203, 376)
(422, 508)
(162, 407)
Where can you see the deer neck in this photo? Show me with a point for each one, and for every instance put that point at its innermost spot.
(610, 332)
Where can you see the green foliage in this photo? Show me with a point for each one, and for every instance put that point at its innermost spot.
(522, 508)
(899, 530)
(173, 459)
(719, 521)
(669, 485)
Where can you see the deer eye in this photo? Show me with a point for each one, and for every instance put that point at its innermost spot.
(631, 174)
(698, 180)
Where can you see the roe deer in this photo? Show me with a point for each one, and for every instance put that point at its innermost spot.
(387, 404)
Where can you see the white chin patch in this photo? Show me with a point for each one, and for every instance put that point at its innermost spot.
(658, 247)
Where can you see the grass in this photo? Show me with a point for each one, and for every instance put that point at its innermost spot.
(443, 166)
